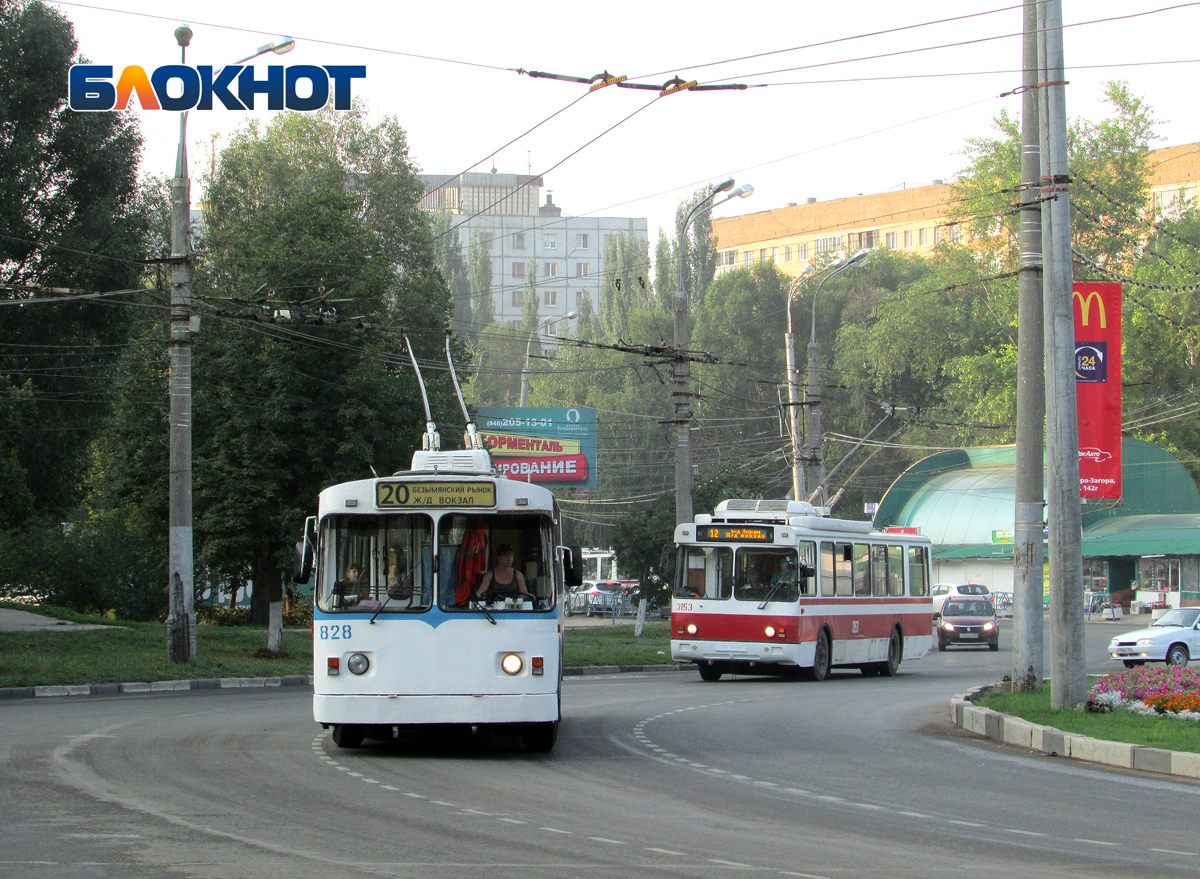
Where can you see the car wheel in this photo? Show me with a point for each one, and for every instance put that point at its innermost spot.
(821, 659)
(941, 645)
(710, 671)
(1177, 655)
(995, 645)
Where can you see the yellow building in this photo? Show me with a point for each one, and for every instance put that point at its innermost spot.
(911, 219)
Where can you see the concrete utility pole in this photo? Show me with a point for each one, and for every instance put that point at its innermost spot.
(1028, 555)
(814, 462)
(793, 389)
(682, 366)
(181, 619)
(1068, 673)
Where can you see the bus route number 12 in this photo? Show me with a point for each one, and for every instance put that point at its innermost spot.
(335, 632)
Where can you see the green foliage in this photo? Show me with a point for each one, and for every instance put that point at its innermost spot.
(71, 216)
(304, 218)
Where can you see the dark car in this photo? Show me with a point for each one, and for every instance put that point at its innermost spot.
(967, 621)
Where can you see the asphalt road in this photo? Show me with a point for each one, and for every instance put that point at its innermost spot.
(654, 775)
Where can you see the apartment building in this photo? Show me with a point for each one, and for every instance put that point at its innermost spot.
(528, 238)
(910, 219)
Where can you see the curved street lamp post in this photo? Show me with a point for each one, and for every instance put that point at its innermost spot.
(814, 463)
(528, 348)
(181, 619)
(682, 366)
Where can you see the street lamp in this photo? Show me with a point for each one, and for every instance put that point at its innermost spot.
(682, 392)
(181, 619)
(528, 348)
(813, 461)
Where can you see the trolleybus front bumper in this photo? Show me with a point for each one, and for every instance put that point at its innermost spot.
(400, 710)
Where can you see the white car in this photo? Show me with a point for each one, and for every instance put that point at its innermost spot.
(1173, 639)
(942, 591)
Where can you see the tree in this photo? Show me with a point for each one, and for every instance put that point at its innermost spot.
(455, 272)
(285, 404)
(71, 216)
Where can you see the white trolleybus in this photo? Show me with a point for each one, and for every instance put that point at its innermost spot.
(770, 587)
(437, 598)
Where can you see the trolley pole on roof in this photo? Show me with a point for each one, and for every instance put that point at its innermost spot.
(1028, 554)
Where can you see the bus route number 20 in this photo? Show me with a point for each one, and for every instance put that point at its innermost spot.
(334, 633)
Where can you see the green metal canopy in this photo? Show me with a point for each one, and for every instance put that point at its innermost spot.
(964, 500)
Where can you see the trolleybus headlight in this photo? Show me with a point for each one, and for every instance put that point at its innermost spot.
(691, 629)
(770, 630)
(511, 663)
(358, 663)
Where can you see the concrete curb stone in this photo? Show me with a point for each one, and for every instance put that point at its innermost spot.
(1055, 743)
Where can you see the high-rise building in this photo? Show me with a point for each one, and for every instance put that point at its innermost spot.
(527, 238)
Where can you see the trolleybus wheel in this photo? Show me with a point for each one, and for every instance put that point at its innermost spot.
(895, 654)
(347, 735)
(821, 658)
(540, 737)
(710, 671)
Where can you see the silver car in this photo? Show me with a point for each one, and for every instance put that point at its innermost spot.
(1173, 639)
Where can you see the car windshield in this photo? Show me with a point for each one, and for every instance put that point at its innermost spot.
(1184, 617)
(972, 589)
(967, 609)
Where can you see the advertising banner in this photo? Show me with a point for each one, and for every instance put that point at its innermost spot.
(553, 447)
(1098, 388)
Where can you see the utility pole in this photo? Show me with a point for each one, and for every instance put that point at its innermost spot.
(682, 367)
(1068, 673)
(181, 620)
(814, 463)
(1028, 555)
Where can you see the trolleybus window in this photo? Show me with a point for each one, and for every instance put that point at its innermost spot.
(766, 575)
(918, 582)
(704, 572)
(369, 563)
(895, 570)
(862, 569)
(472, 574)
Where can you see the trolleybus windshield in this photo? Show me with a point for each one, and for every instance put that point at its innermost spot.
(749, 573)
(412, 561)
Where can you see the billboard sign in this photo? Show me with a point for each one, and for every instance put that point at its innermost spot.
(552, 447)
(1098, 388)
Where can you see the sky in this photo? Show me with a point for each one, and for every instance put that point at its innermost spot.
(844, 100)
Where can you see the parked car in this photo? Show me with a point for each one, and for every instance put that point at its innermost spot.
(968, 620)
(592, 599)
(941, 591)
(1174, 639)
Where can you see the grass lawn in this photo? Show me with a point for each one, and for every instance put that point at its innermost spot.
(1171, 733)
(126, 651)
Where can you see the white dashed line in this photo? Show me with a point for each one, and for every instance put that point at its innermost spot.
(665, 851)
(511, 821)
(1022, 832)
(556, 830)
(609, 841)
(1171, 851)
(1097, 842)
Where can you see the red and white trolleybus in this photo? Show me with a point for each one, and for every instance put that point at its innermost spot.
(770, 587)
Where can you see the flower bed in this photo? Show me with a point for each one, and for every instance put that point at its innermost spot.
(1149, 689)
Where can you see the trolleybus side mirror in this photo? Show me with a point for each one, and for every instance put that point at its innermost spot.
(304, 552)
(572, 560)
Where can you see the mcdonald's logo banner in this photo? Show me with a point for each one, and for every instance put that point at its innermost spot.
(1098, 388)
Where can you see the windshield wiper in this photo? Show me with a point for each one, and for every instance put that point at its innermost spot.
(407, 577)
(770, 594)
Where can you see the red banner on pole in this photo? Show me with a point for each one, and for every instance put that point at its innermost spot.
(1098, 388)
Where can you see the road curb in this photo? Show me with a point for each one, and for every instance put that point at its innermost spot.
(135, 688)
(1053, 742)
(8, 694)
